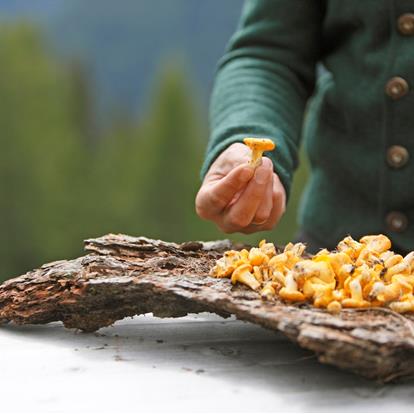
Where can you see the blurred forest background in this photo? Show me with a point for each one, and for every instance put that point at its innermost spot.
(103, 123)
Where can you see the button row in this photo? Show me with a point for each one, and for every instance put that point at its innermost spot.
(397, 87)
(397, 155)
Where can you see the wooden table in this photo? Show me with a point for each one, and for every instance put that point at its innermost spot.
(197, 363)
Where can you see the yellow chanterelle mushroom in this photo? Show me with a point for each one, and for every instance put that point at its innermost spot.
(357, 274)
(258, 147)
(243, 275)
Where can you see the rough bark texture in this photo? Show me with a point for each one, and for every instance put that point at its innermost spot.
(124, 276)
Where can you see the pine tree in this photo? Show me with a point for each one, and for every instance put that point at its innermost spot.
(172, 151)
(41, 153)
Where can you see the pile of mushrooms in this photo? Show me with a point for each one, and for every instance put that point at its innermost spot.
(357, 274)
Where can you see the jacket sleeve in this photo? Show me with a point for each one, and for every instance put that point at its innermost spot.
(265, 79)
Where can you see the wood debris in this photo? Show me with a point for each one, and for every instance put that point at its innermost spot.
(125, 276)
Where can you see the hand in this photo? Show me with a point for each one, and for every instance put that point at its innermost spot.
(238, 198)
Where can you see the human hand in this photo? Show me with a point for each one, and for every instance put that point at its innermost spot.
(238, 198)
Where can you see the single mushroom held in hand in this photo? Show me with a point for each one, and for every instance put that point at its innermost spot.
(258, 146)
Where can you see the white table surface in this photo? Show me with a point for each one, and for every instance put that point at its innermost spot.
(197, 363)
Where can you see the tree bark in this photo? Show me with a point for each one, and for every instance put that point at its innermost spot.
(125, 276)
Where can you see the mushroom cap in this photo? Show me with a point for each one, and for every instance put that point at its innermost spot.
(257, 257)
(378, 243)
(262, 144)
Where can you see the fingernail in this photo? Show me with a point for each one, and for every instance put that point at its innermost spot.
(246, 174)
(267, 163)
(262, 175)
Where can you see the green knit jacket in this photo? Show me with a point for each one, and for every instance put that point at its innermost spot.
(359, 124)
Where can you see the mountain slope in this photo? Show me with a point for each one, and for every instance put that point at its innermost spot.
(122, 44)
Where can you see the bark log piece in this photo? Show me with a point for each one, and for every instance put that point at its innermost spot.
(125, 276)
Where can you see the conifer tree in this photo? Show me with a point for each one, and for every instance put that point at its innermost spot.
(172, 152)
(41, 153)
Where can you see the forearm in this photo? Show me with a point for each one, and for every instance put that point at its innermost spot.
(264, 81)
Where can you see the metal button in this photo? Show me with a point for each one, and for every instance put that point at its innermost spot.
(397, 87)
(397, 156)
(396, 221)
(405, 24)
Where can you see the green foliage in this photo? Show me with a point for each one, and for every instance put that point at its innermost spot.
(60, 182)
(42, 153)
(174, 151)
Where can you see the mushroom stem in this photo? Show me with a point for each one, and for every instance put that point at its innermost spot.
(256, 157)
(290, 291)
(248, 279)
(268, 291)
(356, 300)
(243, 275)
(402, 307)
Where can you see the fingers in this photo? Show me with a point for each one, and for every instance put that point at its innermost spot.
(278, 205)
(242, 212)
(265, 207)
(235, 196)
(234, 156)
(278, 208)
(215, 196)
